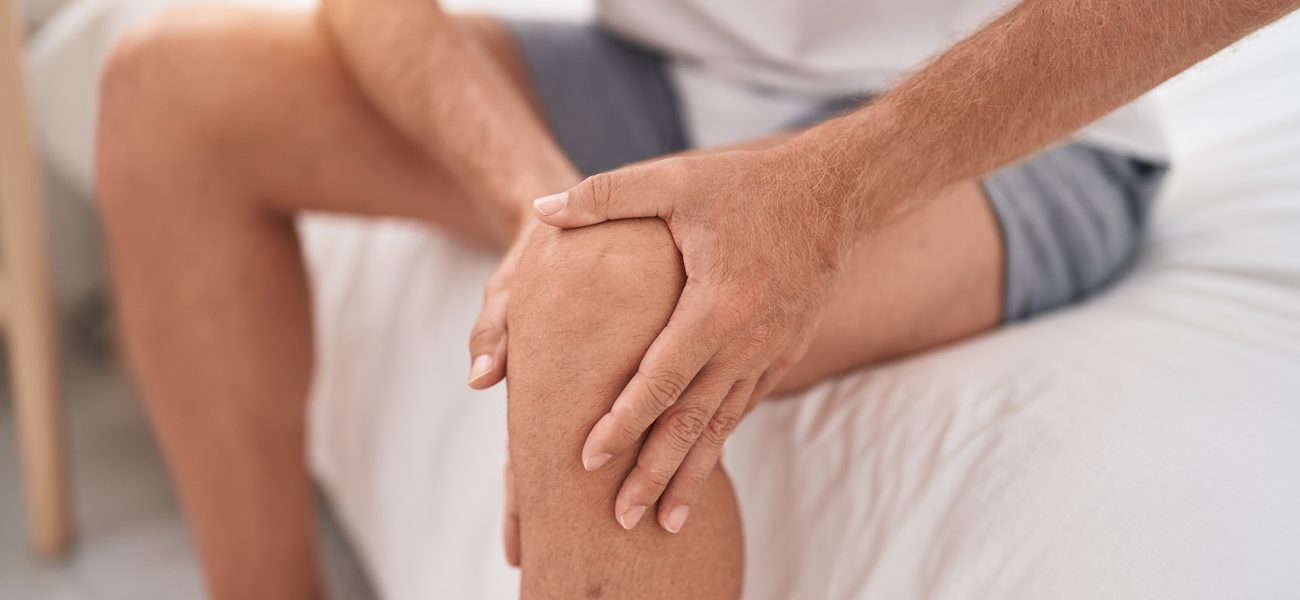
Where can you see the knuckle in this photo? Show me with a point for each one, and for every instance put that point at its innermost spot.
(601, 189)
(628, 432)
(685, 426)
(485, 334)
(722, 424)
(663, 388)
(656, 476)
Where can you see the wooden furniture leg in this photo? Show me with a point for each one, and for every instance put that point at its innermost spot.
(28, 315)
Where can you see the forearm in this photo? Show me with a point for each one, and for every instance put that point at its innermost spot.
(449, 97)
(1034, 75)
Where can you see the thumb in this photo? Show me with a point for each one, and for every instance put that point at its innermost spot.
(619, 194)
(487, 343)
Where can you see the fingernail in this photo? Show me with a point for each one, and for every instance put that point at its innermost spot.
(549, 205)
(595, 461)
(631, 517)
(482, 365)
(676, 518)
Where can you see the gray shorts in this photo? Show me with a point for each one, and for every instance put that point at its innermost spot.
(1072, 217)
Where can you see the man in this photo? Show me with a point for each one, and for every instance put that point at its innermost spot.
(639, 313)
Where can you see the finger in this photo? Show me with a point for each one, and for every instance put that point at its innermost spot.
(487, 343)
(510, 524)
(671, 362)
(622, 194)
(670, 441)
(693, 474)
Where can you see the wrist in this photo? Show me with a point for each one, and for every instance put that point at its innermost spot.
(867, 166)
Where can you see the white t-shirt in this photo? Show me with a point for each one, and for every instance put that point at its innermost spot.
(743, 67)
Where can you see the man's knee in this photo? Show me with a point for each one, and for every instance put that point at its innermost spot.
(585, 305)
(595, 276)
(159, 99)
(204, 70)
(179, 93)
(171, 66)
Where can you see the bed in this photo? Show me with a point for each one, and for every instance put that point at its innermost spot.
(1145, 443)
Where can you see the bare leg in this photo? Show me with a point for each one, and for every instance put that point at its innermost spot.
(587, 304)
(216, 126)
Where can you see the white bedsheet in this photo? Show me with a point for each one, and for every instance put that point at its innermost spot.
(1145, 444)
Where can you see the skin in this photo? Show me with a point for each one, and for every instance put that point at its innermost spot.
(199, 186)
(464, 103)
(469, 109)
